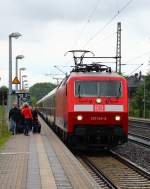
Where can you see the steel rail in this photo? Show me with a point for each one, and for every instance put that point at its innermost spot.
(99, 173)
(139, 120)
(132, 165)
(139, 140)
(139, 136)
(139, 125)
(105, 168)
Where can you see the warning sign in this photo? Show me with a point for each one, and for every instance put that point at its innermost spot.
(16, 81)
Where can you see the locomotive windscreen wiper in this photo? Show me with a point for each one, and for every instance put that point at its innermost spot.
(119, 91)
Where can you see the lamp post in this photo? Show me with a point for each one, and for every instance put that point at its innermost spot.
(16, 36)
(23, 81)
(26, 86)
(18, 57)
(21, 69)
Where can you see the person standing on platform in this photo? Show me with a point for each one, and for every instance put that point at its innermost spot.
(27, 113)
(34, 114)
(36, 126)
(14, 118)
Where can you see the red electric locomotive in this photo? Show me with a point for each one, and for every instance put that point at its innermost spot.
(89, 108)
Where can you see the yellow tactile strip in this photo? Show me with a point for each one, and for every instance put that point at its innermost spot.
(47, 178)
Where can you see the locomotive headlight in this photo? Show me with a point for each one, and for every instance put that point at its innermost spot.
(79, 117)
(117, 118)
(98, 100)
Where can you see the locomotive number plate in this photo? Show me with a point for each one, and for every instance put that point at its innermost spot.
(98, 108)
(98, 118)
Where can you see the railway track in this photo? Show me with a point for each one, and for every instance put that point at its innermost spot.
(97, 174)
(142, 132)
(139, 132)
(140, 124)
(144, 141)
(113, 171)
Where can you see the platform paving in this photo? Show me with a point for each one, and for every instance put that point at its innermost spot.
(40, 161)
(14, 163)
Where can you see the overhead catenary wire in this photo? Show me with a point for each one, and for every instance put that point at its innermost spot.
(85, 25)
(135, 70)
(137, 57)
(87, 22)
(104, 38)
(108, 23)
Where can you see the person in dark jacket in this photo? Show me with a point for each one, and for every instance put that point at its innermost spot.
(14, 118)
(36, 126)
(34, 114)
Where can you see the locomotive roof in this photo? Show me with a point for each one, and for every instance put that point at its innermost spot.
(95, 74)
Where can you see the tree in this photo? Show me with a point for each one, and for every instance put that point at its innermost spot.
(33, 100)
(39, 90)
(137, 102)
(3, 95)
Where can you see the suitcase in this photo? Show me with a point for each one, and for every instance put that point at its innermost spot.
(37, 128)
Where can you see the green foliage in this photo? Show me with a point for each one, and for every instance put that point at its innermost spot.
(136, 105)
(4, 136)
(1, 112)
(4, 89)
(39, 90)
(4, 133)
(3, 95)
(33, 100)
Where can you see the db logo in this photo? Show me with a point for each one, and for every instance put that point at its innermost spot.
(99, 108)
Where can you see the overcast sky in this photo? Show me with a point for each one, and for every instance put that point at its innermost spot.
(49, 28)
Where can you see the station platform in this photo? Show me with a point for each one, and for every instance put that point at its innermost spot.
(41, 161)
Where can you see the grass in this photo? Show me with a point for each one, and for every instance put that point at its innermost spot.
(4, 133)
(4, 138)
(1, 112)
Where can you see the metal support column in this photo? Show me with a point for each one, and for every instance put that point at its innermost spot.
(17, 73)
(10, 73)
(118, 49)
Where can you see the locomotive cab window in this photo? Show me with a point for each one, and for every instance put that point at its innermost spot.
(107, 88)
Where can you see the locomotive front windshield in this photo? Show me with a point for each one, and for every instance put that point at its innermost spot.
(107, 88)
